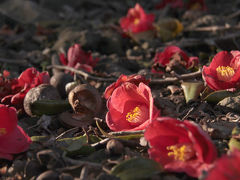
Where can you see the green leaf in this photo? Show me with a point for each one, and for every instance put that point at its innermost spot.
(192, 89)
(77, 145)
(103, 132)
(125, 137)
(136, 168)
(217, 96)
(49, 107)
(39, 138)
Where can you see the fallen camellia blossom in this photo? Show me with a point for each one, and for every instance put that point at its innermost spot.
(224, 71)
(135, 79)
(78, 59)
(137, 20)
(190, 4)
(19, 87)
(6, 84)
(130, 107)
(226, 168)
(196, 5)
(173, 53)
(180, 146)
(172, 3)
(13, 139)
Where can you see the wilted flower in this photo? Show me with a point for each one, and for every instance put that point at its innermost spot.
(79, 59)
(190, 4)
(19, 87)
(135, 79)
(226, 168)
(196, 5)
(224, 71)
(6, 84)
(180, 146)
(137, 20)
(173, 53)
(130, 107)
(172, 3)
(13, 139)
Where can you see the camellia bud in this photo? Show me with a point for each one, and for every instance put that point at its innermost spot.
(114, 147)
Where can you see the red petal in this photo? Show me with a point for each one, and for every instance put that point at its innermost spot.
(206, 150)
(63, 59)
(8, 119)
(15, 142)
(226, 168)
(210, 76)
(27, 76)
(125, 92)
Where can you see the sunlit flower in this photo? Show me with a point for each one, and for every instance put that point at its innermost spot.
(79, 59)
(137, 20)
(170, 53)
(130, 107)
(135, 79)
(223, 72)
(13, 139)
(180, 146)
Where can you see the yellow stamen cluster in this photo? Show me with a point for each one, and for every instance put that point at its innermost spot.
(136, 21)
(181, 153)
(2, 131)
(133, 116)
(225, 73)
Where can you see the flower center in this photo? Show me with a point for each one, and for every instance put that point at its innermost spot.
(137, 115)
(136, 21)
(2, 131)
(181, 152)
(225, 73)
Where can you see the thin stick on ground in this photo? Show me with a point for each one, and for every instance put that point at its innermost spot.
(177, 79)
(167, 80)
(86, 76)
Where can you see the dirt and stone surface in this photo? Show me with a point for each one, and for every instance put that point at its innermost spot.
(32, 32)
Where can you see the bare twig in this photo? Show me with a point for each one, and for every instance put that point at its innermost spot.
(176, 79)
(100, 143)
(86, 76)
(84, 173)
(125, 133)
(213, 28)
(167, 80)
(233, 15)
(65, 132)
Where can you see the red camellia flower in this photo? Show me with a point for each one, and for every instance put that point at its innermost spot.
(180, 146)
(130, 107)
(173, 52)
(137, 20)
(135, 79)
(172, 3)
(226, 168)
(6, 84)
(13, 139)
(196, 5)
(224, 71)
(19, 87)
(79, 59)
(190, 4)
